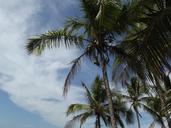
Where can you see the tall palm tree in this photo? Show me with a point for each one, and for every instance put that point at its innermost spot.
(122, 112)
(148, 40)
(154, 103)
(94, 33)
(165, 100)
(141, 96)
(167, 94)
(136, 96)
(96, 107)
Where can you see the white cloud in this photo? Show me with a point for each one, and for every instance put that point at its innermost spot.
(33, 83)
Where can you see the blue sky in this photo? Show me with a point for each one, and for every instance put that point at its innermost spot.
(31, 86)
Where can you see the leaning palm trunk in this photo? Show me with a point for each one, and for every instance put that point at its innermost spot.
(109, 95)
(138, 119)
(98, 122)
(169, 122)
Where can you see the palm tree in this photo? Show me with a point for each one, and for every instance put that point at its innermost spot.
(146, 96)
(94, 34)
(148, 39)
(158, 102)
(167, 94)
(163, 97)
(154, 103)
(96, 107)
(136, 96)
(122, 112)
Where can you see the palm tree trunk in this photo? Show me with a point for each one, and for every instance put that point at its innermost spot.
(138, 119)
(109, 95)
(98, 118)
(169, 122)
(97, 121)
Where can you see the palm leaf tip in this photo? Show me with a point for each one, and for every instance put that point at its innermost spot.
(76, 65)
(32, 45)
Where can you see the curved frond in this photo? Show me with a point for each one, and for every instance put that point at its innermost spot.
(74, 25)
(129, 116)
(74, 68)
(90, 9)
(89, 95)
(120, 122)
(53, 39)
(84, 118)
(108, 13)
(106, 119)
(152, 42)
(79, 118)
(73, 108)
(98, 90)
(154, 114)
(126, 64)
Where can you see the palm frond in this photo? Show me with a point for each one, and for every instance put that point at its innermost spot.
(108, 13)
(53, 39)
(74, 108)
(84, 117)
(89, 95)
(120, 122)
(154, 42)
(74, 25)
(74, 68)
(106, 118)
(78, 118)
(129, 115)
(126, 64)
(90, 9)
(98, 90)
(154, 114)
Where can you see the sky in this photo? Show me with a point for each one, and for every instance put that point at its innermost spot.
(31, 86)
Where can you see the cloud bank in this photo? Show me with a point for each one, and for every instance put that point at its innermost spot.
(33, 83)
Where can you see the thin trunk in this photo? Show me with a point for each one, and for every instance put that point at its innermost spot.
(98, 121)
(138, 119)
(169, 122)
(109, 95)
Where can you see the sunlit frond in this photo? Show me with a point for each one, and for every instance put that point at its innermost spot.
(74, 25)
(79, 118)
(76, 108)
(53, 39)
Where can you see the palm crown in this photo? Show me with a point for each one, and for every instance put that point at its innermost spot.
(96, 107)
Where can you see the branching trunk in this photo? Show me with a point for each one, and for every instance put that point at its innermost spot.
(109, 95)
